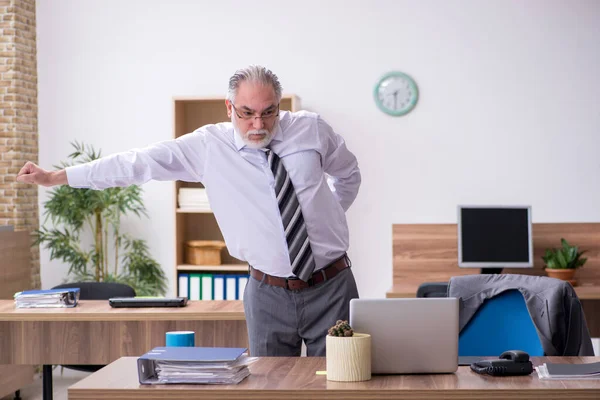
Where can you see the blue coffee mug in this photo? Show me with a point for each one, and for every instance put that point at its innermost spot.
(180, 339)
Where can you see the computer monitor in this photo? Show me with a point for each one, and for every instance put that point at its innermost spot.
(494, 237)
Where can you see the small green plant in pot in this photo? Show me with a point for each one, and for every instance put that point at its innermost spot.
(113, 255)
(562, 262)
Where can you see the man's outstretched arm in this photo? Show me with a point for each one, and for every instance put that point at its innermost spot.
(181, 159)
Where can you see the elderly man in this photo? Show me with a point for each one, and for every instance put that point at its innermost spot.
(279, 184)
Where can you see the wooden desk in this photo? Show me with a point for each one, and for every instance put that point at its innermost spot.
(294, 378)
(95, 333)
(429, 253)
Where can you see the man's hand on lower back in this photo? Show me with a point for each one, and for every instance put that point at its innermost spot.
(31, 173)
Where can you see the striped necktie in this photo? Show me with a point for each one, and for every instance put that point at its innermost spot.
(301, 257)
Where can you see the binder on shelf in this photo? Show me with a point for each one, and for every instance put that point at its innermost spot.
(207, 286)
(184, 285)
(231, 287)
(195, 287)
(218, 287)
(204, 286)
(242, 281)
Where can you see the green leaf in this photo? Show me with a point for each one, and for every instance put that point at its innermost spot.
(63, 245)
(548, 256)
(138, 263)
(572, 253)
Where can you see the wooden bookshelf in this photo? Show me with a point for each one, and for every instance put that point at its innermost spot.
(190, 113)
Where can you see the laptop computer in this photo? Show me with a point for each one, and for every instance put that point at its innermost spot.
(137, 302)
(409, 336)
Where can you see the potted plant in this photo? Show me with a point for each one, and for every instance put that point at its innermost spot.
(562, 262)
(348, 354)
(75, 211)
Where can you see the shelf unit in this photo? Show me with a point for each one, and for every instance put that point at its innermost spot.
(214, 268)
(191, 113)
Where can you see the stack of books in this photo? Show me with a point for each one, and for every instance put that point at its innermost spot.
(569, 371)
(195, 365)
(193, 199)
(67, 297)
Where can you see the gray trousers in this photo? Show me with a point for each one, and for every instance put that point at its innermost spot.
(279, 319)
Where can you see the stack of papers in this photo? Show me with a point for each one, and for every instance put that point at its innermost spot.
(174, 372)
(195, 365)
(569, 371)
(47, 298)
(193, 198)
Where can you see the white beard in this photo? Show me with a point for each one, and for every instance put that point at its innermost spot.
(254, 143)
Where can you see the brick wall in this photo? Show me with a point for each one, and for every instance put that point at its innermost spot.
(18, 119)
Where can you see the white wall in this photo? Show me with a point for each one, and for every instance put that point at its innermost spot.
(508, 110)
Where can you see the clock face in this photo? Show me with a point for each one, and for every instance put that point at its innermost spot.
(396, 93)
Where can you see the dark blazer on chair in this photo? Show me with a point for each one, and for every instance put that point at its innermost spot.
(553, 306)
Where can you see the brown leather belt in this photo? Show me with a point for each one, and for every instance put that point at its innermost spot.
(296, 284)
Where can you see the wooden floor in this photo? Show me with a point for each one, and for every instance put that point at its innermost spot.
(60, 385)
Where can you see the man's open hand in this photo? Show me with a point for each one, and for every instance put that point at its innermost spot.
(31, 173)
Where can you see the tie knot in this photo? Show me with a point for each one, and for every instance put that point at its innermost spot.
(270, 153)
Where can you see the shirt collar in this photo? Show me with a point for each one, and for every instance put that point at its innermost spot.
(277, 137)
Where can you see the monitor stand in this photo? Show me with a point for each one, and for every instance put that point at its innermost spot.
(491, 271)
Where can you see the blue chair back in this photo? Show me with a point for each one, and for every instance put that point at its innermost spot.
(502, 323)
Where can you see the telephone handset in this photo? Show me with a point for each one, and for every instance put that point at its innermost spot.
(512, 362)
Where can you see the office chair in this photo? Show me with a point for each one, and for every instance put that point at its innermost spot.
(433, 289)
(99, 290)
(88, 291)
(502, 323)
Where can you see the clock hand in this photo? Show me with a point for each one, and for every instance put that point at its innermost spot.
(396, 99)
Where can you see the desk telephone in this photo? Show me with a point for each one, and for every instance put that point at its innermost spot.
(513, 362)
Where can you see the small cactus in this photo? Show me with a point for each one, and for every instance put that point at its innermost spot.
(341, 329)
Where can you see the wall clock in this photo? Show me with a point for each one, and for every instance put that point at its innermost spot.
(396, 93)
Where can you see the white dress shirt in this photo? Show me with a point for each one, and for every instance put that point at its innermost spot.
(239, 184)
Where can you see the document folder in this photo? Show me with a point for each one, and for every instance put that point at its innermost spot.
(67, 297)
(192, 365)
(569, 371)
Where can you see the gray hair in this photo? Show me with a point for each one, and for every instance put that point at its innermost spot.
(255, 74)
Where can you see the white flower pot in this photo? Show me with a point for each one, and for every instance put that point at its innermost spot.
(348, 358)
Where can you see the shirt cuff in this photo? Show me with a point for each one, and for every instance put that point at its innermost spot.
(76, 176)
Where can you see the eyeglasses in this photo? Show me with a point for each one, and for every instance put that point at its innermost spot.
(249, 115)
